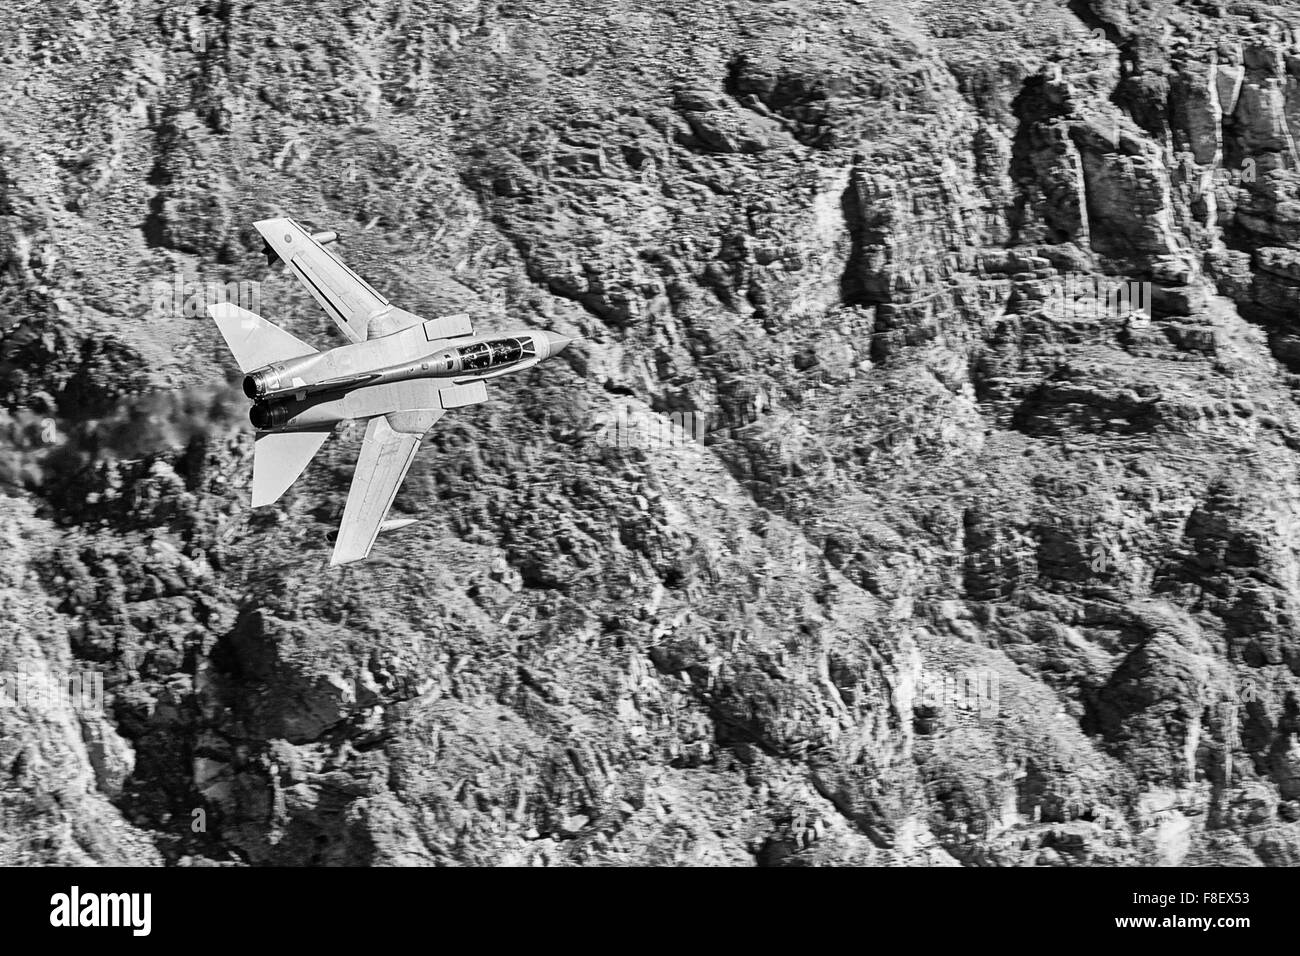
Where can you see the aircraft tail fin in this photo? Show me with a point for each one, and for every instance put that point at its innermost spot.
(278, 459)
(254, 341)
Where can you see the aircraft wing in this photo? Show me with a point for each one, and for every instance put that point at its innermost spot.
(386, 455)
(348, 299)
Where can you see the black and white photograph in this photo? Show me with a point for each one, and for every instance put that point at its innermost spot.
(702, 434)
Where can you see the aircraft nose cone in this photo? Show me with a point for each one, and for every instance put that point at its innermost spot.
(556, 342)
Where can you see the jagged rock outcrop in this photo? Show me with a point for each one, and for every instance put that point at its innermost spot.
(983, 553)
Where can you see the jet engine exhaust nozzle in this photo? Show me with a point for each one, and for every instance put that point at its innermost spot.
(258, 383)
(268, 415)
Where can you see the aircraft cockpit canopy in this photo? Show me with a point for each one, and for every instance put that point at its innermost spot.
(496, 353)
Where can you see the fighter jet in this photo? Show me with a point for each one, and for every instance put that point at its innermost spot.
(401, 373)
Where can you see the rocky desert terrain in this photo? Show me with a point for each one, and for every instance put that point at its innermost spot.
(966, 560)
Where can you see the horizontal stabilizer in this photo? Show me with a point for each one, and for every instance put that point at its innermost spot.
(278, 460)
(252, 340)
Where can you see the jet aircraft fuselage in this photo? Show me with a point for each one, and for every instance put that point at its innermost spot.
(310, 391)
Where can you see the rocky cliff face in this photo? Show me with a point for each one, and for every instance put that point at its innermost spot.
(974, 561)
